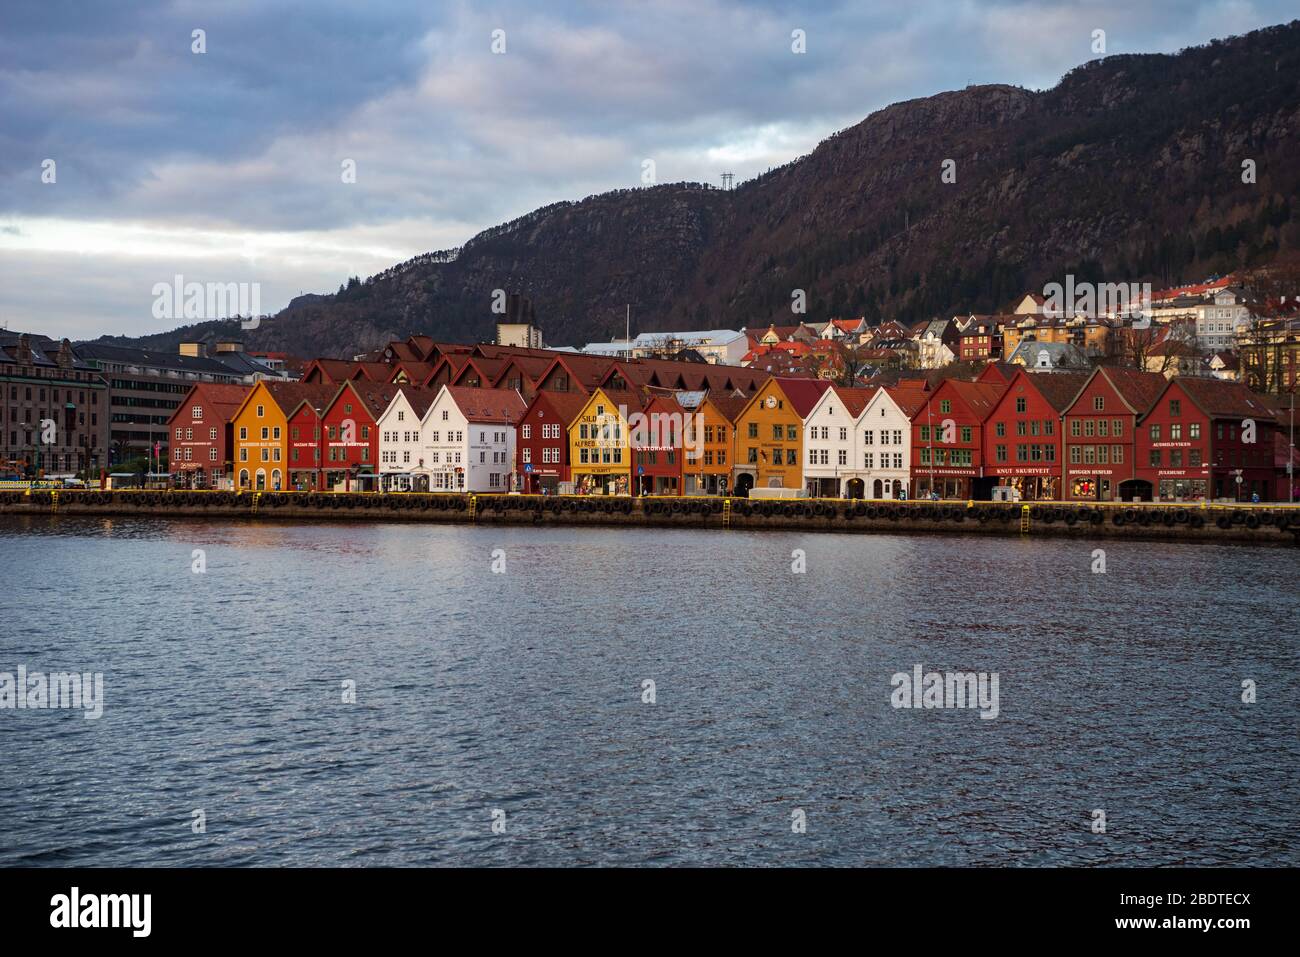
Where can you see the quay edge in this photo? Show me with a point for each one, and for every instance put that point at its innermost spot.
(1264, 523)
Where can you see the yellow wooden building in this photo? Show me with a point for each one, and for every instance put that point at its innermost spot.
(769, 434)
(261, 432)
(599, 461)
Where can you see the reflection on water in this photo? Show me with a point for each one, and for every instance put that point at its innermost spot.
(522, 692)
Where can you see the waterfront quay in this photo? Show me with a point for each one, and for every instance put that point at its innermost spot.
(1158, 521)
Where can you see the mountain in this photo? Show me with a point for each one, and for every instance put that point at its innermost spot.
(1130, 168)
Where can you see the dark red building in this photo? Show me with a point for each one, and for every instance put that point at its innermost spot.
(202, 446)
(542, 443)
(1100, 432)
(948, 440)
(657, 447)
(304, 446)
(350, 443)
(1207, 438)
(1022, 436)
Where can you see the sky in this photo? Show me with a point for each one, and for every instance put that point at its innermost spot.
(294, 144)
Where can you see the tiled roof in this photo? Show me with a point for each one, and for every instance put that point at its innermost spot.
(730, 406)
(565, 405)
(1138, 389)
(1058, 388)
(855, 400)
(909, 399)
(803, 393)
(501, 406)
(1222, 398)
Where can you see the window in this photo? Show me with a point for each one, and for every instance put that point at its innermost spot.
(1175, 432)
(777, 432)
(1194, 430)
(1076, 428)
(1117, 454)
(945, 406)
(868, 437)
(1117, 427)
(1000, 453)
(792, 433)
(1175, 458)
(196, 412)
(1154, 460)
(526, 431)
(1194, 457)
(753, 430)
(1155, 431)
(1020, 403)
(966, 434)
(1175, 407)
(243, 433)
(1099, 403)
(261, 411)
(1000, 429)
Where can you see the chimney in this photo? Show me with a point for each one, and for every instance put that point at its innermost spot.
(24, 349)
(65, 358)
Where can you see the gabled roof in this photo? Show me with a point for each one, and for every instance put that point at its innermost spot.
(453, 362)
(1057, 388)
(729, 406)
(1136, 388)
(220, 398)
(1221, 398)
(415, 372)
(289, 395)
(327, 370)
(496, 406)
(910, 399)
(565, 405)
(980, 397)
(374, 397)
(586, 372)
(419, 399)
(530, 367)
(855, 400)
(487, 369)
(803, 393)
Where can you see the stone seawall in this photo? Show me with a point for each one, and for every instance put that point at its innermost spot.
(1271, 523)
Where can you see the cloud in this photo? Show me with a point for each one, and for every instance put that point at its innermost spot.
(168, 157)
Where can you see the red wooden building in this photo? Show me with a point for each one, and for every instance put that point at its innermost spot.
(350, 441)
(657, 447)
(1207, 438)
(1100, 431)
(202, 446)
(948, 437)
(542, 445)
(304, 445)
(1022, 436)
